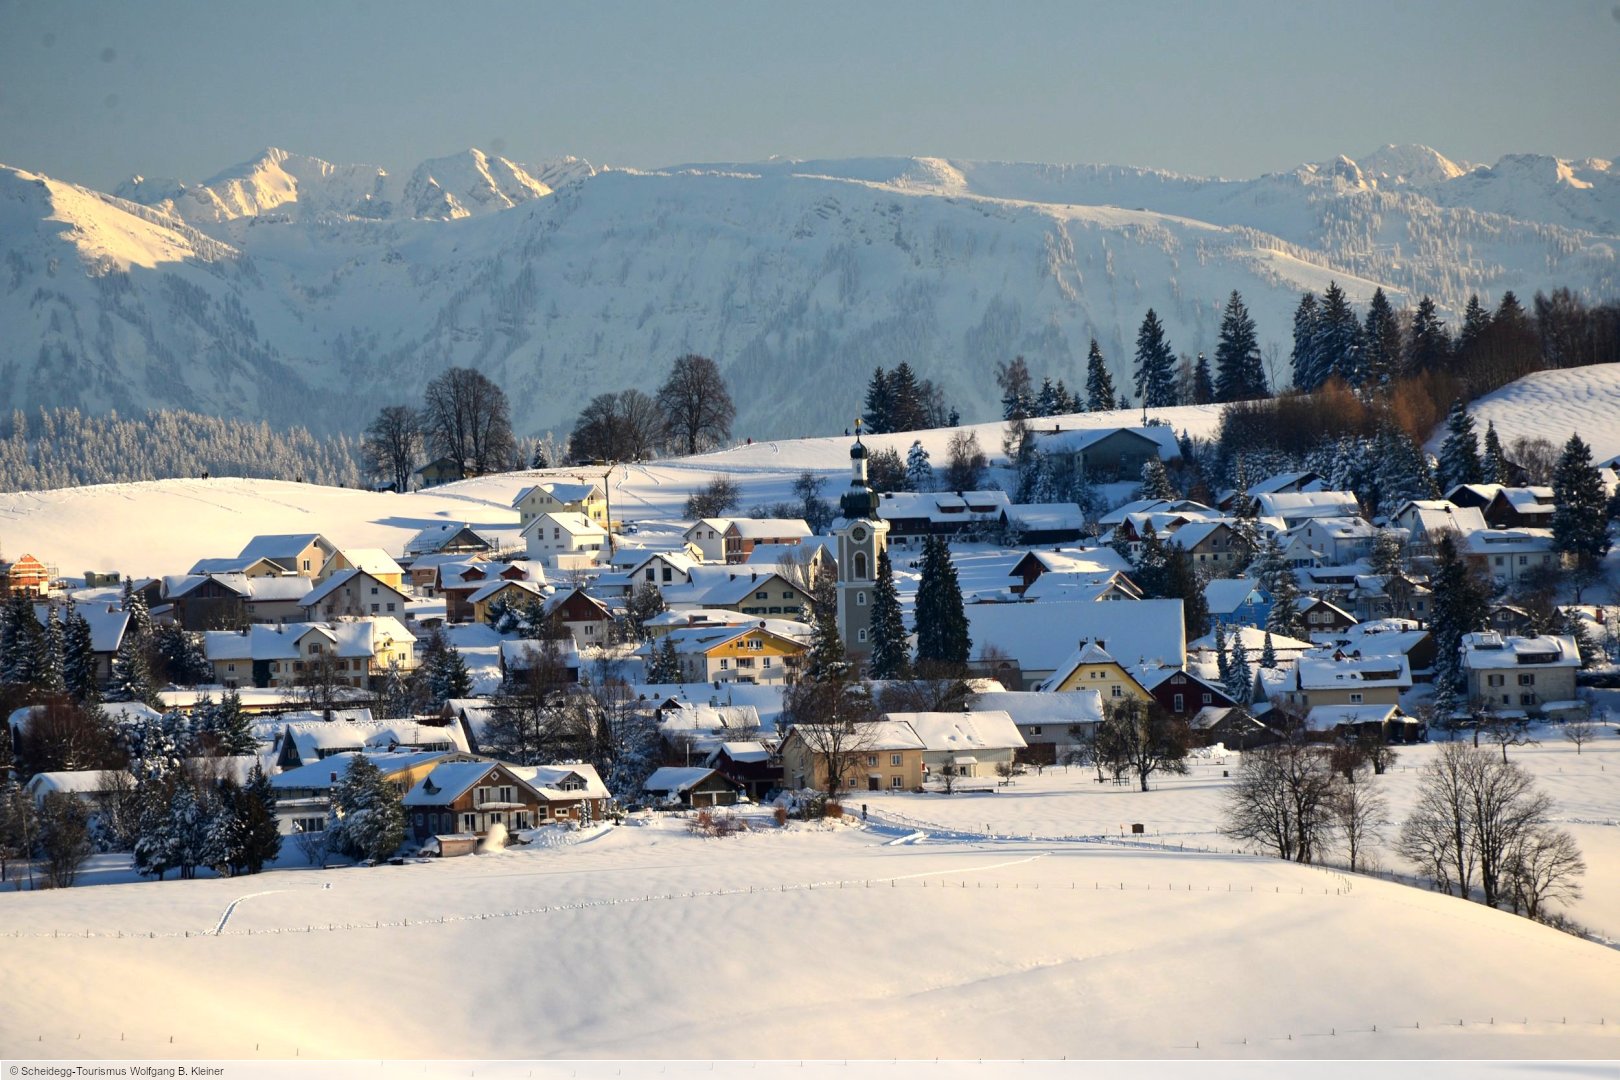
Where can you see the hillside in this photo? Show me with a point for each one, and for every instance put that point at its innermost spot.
(287, 287)
(1554, 405)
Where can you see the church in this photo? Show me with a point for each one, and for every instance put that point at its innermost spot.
(862, 535)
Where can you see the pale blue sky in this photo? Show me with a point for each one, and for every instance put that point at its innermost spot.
(94, 92)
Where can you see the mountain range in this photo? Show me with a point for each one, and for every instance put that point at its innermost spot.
(299, 291)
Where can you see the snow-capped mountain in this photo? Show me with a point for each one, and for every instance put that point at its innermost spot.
(296, 290)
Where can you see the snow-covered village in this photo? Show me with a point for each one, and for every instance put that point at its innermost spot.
(883, 609)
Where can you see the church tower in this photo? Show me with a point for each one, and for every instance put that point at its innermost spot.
(862, 535)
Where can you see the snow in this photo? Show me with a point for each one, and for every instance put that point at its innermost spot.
(1554, 405)
(951, 936)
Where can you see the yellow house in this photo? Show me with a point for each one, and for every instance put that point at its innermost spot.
(562, 498)
(516, 593)
(1092, 668)
(746, 654)
(374, 561)
(881, 755)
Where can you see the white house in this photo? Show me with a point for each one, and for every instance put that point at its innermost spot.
(550, 536)
(707, 537)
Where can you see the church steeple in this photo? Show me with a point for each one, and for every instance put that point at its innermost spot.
(860, 501)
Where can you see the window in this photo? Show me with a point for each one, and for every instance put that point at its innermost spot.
(871, 761)
(1355, 699)
(374, 609)
(1118, 691)
(1527, 699)
(1495, 680)
(649, 573)
(860, 598)
(1180, 704)
(724, 663)
(896, 782)
(1497, 560)
(232, 667)
(766, 662)
(762, 596)
(1527, 679)
(669, 575)
(374, 590)
(469, 822)
(1208, 698)
(390, 607)
(1524, 560)
(861, 634)
(1035, 729)
(787, 595)
(894, 760)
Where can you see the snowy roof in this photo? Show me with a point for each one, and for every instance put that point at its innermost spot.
(717, 525)
(546, 779)
(1071, 442)
(1041, 636)
(373, 561)
(1055, 585)
(887, 734)
(1037, 516)
(107, 623)
(1298, 505)
(283, 548)
(1225, 595)
(776, 554)
(1508, 541)
(1098, 560)
(1149, 506)
(434, 537)
(767, 528)
(718, 586)
(561, 491)
(80, 782)
(1253, 641)
(674, 779)
(337, 581)
(397, 733)
(495, 585)
(1482, 651)
(1331, 717)
(450, 780)
(328, 772)
(571, 522)
(710, 718)
(516, 652)
(1431, 516)
(129, 712)
(1319, 673)
(1029, 707)
(749, 751)
(963, 731)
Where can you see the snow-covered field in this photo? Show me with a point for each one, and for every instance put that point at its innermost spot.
(647, 941)
(1554, 405)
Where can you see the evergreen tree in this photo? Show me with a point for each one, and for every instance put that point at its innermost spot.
(906, 411)
(1223, 661)
(1277, 578)
(22, 644)
(155, 764)
(1067, 402)
(919, 473)
(1047, 402)
(1338, 342)
(140, 619)
(1099, 383)
(232, 730)
(1239, 374)
(130, 679)
(876, 417)
(1494, 466)
(223, 841)
(890, 656)
(1476, 320)
(1268, 655)
(1459, 606)
(1180, 582)
(1239, 675)
(259, 836)
(79, 658)
(1017, 398)
(1150, 562)
(184, 662)
(1203, 383)
(52, 678)
(367, 820)
(1510, 314)
(1084, 495)
(1580, 524)
(942, 626)
(1401, 471)
(1459, 454)
(1155, 365)
(1156, 482)
(665, 667)
(1386, 553)
(1430, 345)
(1381, 342)
(827, 661)
(443, 672)
(1308, 373)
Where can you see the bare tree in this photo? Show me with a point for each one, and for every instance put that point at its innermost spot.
(1580, 732)
(697, 406)
(1141, 737)
(530, 722)
(1435, 834)
(1358, 813)
(1283, 800)
(716, 498)
(392, 445)
(966, 462)
(1544, 865)
(467, 418)
(1503, 730)
(63, 838)
(626, 426)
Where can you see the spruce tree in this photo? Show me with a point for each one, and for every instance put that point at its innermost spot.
(1430, 346)
(1239, 674)
(1099, 383)
(140, 619)
(1381, 342)
(1459, 453)
(130, 679)
(1239, 374)
(1047, 402)
(1494, 465)
(22, 644)
(1268, 655)
(1476, 320)
(1017, 398)
(890, 656)
(1179, 581)
(827, 661)
(1277, 578)
(52, 678)
(232, 729)
(1580, 524)
(1338, 343)
(1203, 382)
(665, 667)
(256, 815)
(1156, 482)
(876, 417)
(919, 473)
(367, 820)
(905, 400)
(1459, 605)
(1223, 661)
(1155, 365)
(155, 764)
(1308, 373)
(79, 658)
(942, 626)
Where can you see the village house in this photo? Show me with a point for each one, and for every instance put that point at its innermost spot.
(342, 653)
(1288, 483)
(1087, 562)
(374, 561)
(304, 794)
(469, 797)
(293, 553)
(1053, 726)
(565, 539)
(228, 601)
(1378, 680)
(1234, 601)
(1337, 541)
(1511, 556)
(1383, 723)
(880, 755)
(749, 654)
(514, 594)
(1322, 616)
(1507, 507)
(562, 497)
(1180, 692)
(444, 470)
(451, 539)
(586, 618)
(1294, 508)
(706, 539)
(913, 516)
(1426, 520)
(554, 658)
(1093, 667)
(1110, 455)
(751, 764)
(1044, 523)
(962, 744)
(634, 569)
(1033, 642)
(1527, 676)
(743, 534)
(1393, 596)
(690, 787)
(25, 576)
(353, 594)
(751, 593)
